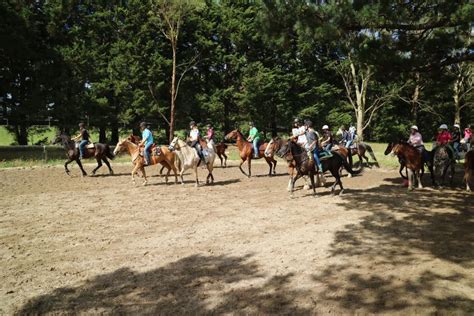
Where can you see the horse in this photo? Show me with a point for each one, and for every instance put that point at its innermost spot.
(136, 140)
(98, 151)
(246, 152)
(387, 151)
(469, 169)
(139, 161)
(189, 158)
(360, 149)
(220, 151)
(302, 160)
(443, 159)
(346, 153)
(272, 148)
(411, 159)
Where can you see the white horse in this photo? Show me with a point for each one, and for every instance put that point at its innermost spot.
(189, 158)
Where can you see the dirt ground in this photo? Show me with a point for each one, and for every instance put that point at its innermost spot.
(242, 246)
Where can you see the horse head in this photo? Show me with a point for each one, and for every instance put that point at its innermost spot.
(284, 149)
(272, 146)
(121, 146)
(175, 144)
(233, 135)
(389, 148)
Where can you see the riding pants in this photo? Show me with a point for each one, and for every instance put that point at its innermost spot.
(328, 147)
(348, 144)
(456, 147)
(195, 144)
(82, 146)
(147, 152)
(255, 148)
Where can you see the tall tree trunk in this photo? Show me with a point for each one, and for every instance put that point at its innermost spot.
(457, 100)
(114, 139)
(173, 94)
(360, 117)
(414, 99)
(21, 134)
(102, 135)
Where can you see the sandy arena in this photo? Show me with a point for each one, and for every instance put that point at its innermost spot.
(99, 245)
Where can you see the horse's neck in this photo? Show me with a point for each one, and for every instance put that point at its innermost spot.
(296, 152)
(131, 148)
(68, 144)
(241, 141)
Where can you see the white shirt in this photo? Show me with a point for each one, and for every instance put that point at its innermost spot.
(194, 134)
(295, 131)
(302, 138)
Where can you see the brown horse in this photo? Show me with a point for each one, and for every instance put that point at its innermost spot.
(246, 152)
(413, 161)
(220, 151)
(469, 169)
(98, 151)
(139, 162)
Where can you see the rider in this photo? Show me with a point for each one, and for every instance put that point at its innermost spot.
(210, 133)
(312, 145)
(468, 136)
(299, 131)
(194, 137)
(84, 139)
(327, 140)
(443, 137)
(346, 137)
(254, 138)
(416, 140)
(147, 141)
(456, 139)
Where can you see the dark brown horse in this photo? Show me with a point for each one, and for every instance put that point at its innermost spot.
(98, 151)
(444, 160)
(246, 152)
(332, 164)
(360, 149)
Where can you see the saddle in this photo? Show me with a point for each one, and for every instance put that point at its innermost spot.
(324, 154)
(154, 150)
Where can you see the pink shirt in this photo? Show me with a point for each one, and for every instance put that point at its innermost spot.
(467, 133)
(416, 139)
(443, 138)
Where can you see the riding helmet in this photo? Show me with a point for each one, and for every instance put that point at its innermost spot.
(443, 126)
(414, 127)
(325, 127)
(143, 124)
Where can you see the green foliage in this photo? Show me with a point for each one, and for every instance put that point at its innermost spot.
(108, 63)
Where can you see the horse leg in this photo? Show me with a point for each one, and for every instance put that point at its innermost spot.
(99, 164)
(274, 165)
(240, 166)
(161, 170)
(79, 163)
(196, 175)
(367, 160)
(225, 160)
(250, 167)
(108, 165)
(144, 175)
(220, 157)
(269, 165)
(452, 173)
(134, 171)
(181, 176)
(410, 179)
(311, 176)
(418, 178)
(293, 181)
(65, 167)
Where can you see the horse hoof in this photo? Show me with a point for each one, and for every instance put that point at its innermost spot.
(342, 192)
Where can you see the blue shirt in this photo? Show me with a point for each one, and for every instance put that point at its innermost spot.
(147, 136)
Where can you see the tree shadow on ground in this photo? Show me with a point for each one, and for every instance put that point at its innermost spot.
(424, 242)
(194, 285)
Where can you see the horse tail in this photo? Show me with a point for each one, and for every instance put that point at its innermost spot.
(109, 152)
(372, 155)
(346, 165)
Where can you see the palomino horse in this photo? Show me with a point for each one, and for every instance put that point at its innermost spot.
(443, 160)
(360, 149)
(411, 159)
(469, 169)
(139, 162)
(189, 158)
(300, 156)
(136, 140)
(98, 151)
(246, 152)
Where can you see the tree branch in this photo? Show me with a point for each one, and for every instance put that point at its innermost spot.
(156, 100)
